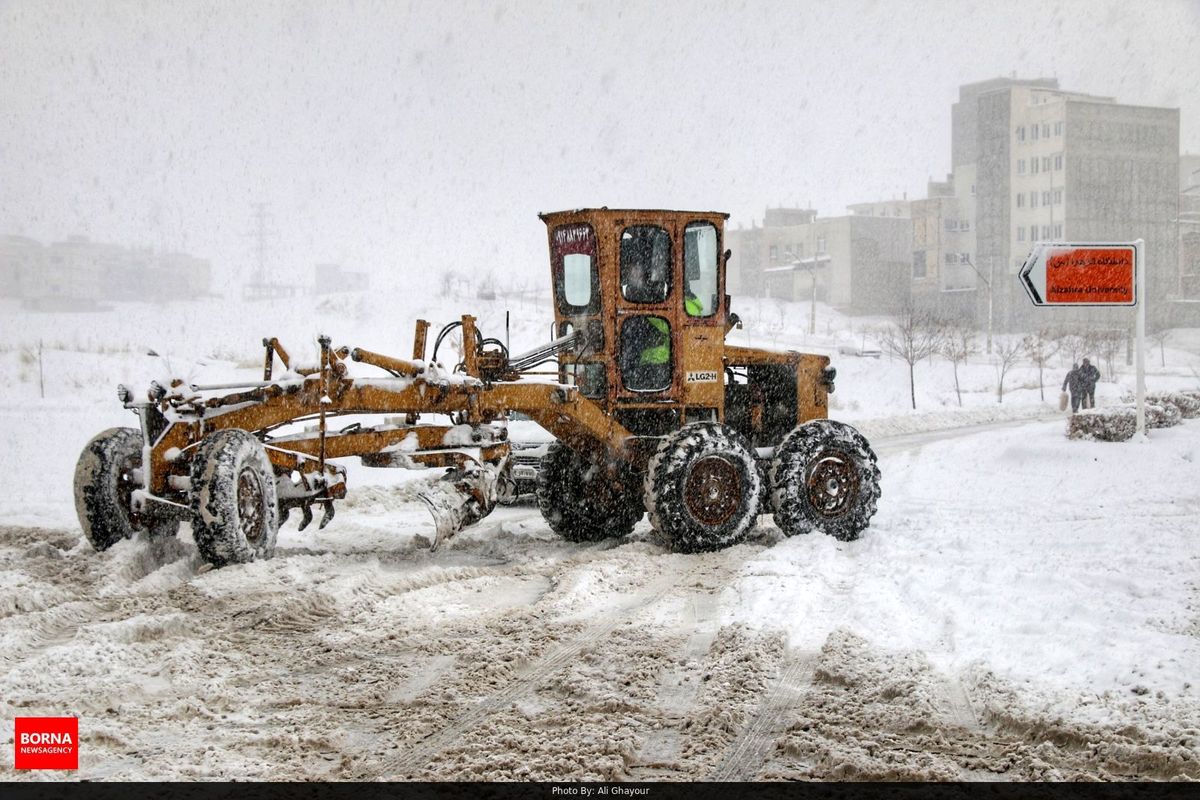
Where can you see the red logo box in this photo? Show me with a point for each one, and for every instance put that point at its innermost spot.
(46, 743)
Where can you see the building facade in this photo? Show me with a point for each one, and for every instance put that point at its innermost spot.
(78, 274)
(1051, 165)
(859, 264)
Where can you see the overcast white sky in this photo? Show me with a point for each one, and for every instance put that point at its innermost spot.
(404, 138)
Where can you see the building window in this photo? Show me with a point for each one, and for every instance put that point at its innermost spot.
(918, 269)
(1020, 199)
(1021, 234)
(964, 258)
(820, 244)
(951, 258)
(774, 253)
(1058, 197)
(1020, 166)
(1033, 132)
(1058, 233)
(1058, 160)
(1046, 198)
(1058, 129)
(1033, 166)
(951, 224)
(1045, 163)
(1033, 233)
(972, 189)
(1045, 231)
(787, 252)
(964, 225)
(1033, 199)
(1021, 134)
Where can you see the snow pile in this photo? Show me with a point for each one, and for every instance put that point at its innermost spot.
(1074, 576)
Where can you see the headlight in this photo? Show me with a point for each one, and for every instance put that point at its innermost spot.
(123, 393)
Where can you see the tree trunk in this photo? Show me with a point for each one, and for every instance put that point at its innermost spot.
(912, 389)
(1041, 384)
(956, 389)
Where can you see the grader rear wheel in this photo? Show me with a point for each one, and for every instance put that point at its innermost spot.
(581, 501)
(234, 505)
(104, 485)
(825, 476)
(703, 489)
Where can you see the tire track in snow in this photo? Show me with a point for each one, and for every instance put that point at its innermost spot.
(755, 745)
(420, 753)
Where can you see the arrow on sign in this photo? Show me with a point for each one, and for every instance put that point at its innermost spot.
(1081, 274)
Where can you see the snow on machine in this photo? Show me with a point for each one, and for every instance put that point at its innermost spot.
(652, 410)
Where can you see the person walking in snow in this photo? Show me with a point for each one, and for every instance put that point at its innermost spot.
(1074, 383)
(1089, 376)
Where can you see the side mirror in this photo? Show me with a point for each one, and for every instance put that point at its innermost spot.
(727, 254)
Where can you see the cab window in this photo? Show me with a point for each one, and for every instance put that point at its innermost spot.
(646, 354)
(573, 257)
(645, 264)
(700, 269)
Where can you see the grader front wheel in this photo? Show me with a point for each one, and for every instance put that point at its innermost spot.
(825, 476)
(703, 488)
(234, 505)
(105, 479)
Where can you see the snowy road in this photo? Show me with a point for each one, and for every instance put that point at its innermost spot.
(1021, 633)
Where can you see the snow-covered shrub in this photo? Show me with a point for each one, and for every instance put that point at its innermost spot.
(1163, 415)
(1120, 423)
(1188, 403)
(1103, 424)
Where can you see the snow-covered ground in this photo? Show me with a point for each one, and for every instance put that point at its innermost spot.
(1022, 606)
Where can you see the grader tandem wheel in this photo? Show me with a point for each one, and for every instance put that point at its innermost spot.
(653, 410)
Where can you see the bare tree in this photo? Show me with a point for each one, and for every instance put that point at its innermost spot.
(1073, 344)
(1159, 337)
(1108, 344)
(916, 335)
(1007, 354)
(958, 345)
(1040, 346)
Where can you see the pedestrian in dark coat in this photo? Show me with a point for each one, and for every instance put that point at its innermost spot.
(1074, 382)
(1089, 376)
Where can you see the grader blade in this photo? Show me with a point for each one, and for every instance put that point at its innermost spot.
(463, 497)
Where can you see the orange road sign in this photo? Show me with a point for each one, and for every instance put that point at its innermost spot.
(1081, 274)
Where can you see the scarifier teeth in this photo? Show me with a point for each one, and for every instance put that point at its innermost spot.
(327, 517)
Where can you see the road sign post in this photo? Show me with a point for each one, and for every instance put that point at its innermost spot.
(1093, 274)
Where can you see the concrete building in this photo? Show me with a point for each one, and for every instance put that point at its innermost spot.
(1189, 233)
(21, 259)
(78, 274)
(860, 263)
(1061, 166)
(332, 278)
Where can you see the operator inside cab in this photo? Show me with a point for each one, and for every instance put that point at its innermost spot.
(645, 278)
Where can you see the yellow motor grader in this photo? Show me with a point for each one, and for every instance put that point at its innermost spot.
(652, 410)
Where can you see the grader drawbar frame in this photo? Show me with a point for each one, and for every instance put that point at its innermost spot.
(178, 418)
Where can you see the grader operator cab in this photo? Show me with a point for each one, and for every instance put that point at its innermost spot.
(652, 410)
